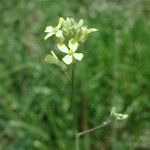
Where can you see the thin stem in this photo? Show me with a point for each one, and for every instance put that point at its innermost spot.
(104, 124)
(77, 135)
(77, 141)
(74, 107)
(73, 97)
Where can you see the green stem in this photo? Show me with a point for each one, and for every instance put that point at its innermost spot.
(74, 107)
(104, 124)
(75, 123)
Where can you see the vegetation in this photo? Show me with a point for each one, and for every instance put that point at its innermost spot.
(35, 108)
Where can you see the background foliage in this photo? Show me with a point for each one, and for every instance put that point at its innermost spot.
(35, 111)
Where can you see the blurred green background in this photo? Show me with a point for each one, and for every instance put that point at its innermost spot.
(35, 110)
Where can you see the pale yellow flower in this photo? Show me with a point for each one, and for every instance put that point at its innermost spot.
(54, 30)
(70, 51)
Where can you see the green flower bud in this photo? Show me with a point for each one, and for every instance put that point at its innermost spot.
(78, 34)
(50, 59)
(84, 34)
(68, 22)
(80, 24)
(53, 59)
(65, 32)
(60, 22)
(72, 21)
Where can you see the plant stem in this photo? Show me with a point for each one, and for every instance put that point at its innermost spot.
(74, 107)
(75, 123)
(104, 124)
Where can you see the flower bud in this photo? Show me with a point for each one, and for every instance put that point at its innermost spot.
(72, 21)
(65, 32)
(84, 34)
(60, 22)
(68, 22)
(118, 116)
(80, 24)
(78, 34)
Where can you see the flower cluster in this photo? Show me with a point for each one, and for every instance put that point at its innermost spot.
(69, 34)
(118, 116)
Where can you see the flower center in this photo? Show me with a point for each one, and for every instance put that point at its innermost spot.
(70, 52)
(55, 30)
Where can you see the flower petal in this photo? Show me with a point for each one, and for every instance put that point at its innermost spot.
(48, 35)
(63, 48)
(59, 33)
(67, 59)
(92, 30)
(78, 56)
(49, 29)
(73, 45)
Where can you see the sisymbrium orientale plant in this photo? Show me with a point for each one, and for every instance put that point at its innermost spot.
(69, 35)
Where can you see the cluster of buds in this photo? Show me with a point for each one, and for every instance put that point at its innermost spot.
(69, 35)
(118, 116)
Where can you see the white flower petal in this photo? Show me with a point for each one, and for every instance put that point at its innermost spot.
(92, 30)
(59, 33)
(49, 29)
(63, 48)
(67, 59)
(48, 35)
(73, 45)
(78, 56)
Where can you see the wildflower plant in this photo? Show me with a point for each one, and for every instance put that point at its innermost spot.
(69, 35)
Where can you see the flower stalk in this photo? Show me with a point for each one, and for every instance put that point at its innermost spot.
(75, 122)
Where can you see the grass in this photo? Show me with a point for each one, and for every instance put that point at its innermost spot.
(35, 110)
